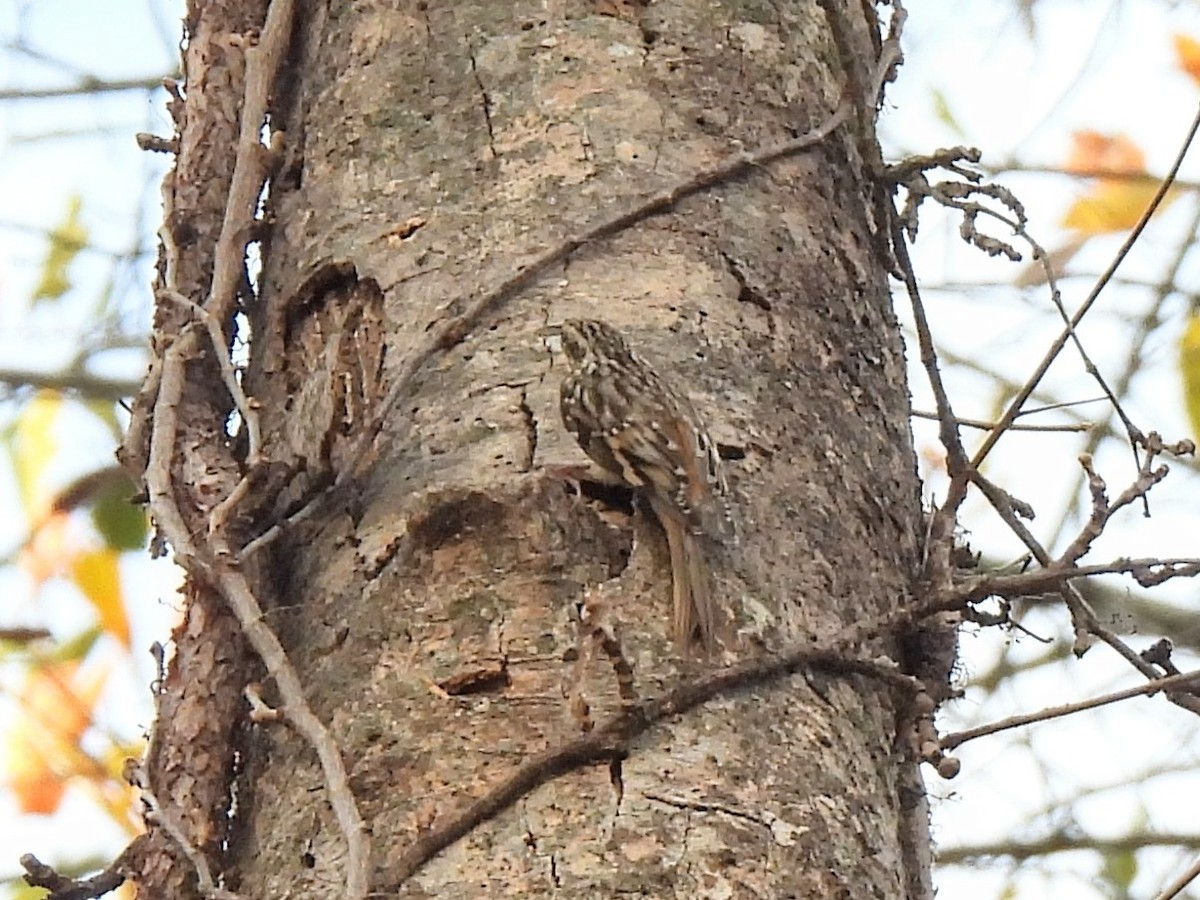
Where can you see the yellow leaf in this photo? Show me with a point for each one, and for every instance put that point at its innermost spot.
(98, 576)
(1189, 367)
(1187, 50)
(1113, 205)
(33, 444)
(21, 891)
(66, 240)
(1122, 189)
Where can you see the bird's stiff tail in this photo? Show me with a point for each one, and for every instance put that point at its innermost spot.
(695, 613)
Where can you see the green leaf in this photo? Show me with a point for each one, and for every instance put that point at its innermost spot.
(77, 647)
(122, 524)
(941, 109)
(1120, 868)
(19, 890)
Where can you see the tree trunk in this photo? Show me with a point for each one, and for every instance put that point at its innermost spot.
(458, 609)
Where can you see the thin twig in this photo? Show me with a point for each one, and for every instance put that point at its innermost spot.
(87, 87)
(1055, 575)
(1148, 572)
(233, 384)
(1142, 179)
(1176, 887)
(1052, 353)
(1138, 342)
(38, 874)
(1185, 680)
(960, 196)
(938, 569)
(170, 823)
(984, 425)
(236, 590)
(85, 383)
(1064, 841)
(1084, 620)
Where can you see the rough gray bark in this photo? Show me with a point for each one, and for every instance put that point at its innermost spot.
(431, 609)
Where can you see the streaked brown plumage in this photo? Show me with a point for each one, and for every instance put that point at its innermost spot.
(634, 424)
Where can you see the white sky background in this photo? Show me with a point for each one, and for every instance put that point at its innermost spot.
(1094, 65)
(1108, 67)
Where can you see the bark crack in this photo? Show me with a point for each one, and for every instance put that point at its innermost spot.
(531, 431)
(782, 832)
(486, 102)
(617, 778)
(746, 293)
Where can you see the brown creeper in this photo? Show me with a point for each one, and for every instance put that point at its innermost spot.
(632, 423)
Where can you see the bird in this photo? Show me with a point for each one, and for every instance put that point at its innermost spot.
(633, 423)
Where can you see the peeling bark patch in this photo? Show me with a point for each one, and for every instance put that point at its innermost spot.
(406, 229)
(332, 349)
(783, 833)
(629, 10)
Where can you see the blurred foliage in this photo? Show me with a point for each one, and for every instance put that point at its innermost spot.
(65, 241)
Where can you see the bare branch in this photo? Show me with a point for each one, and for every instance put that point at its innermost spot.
(1176, 887)
(987, 426)
(85, 87)
(1185, 680)
(610, 738)
(1068, 331)
(1061, 842)
(94, 387)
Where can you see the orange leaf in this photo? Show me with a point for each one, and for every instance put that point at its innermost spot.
(61, 699)
(36, 787)
(47, 548)
(1092, 151)
(1187, 50)
(1115, 202)
(98, 576)
(40, 747)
